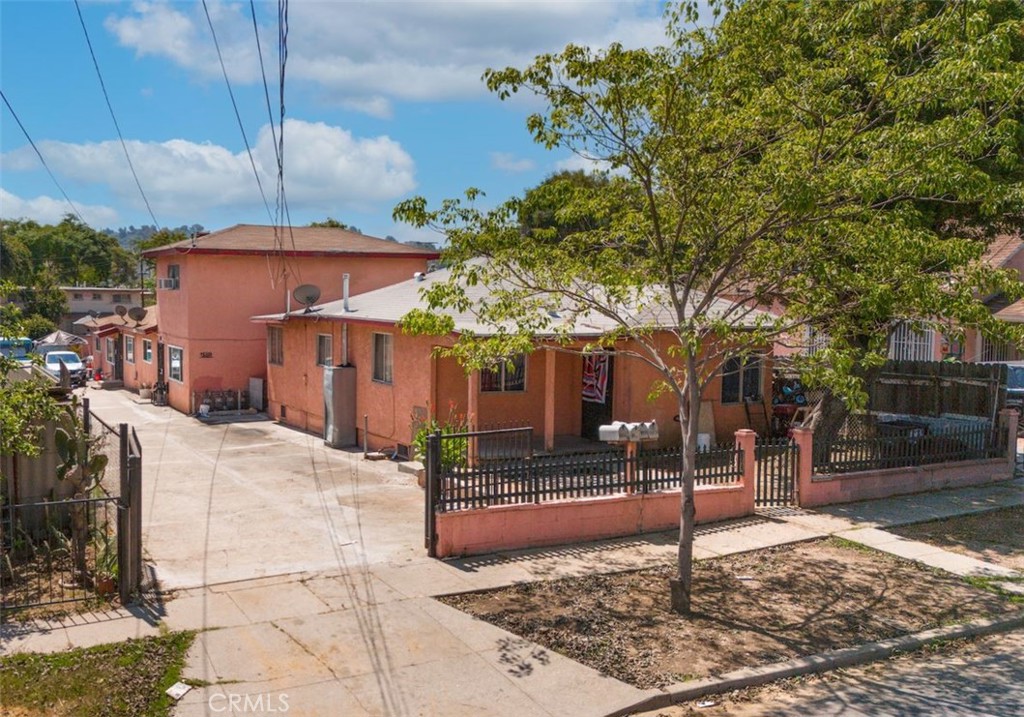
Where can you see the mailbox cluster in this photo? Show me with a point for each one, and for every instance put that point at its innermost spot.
(628, 432)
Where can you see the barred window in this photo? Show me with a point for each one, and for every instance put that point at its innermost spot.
(506, 375)
(908, 344)
(996, 350)
(275, 345)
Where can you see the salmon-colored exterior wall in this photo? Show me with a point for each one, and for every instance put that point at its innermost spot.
(422, 380)
(141, 371)
(208, 316)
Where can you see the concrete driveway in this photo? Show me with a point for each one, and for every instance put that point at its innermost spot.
(233, 502)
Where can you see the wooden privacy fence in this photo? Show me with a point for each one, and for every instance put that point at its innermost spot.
(932, 388)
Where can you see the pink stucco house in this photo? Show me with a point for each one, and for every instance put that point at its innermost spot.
(209, 287)
(399, 381)
(124, 349)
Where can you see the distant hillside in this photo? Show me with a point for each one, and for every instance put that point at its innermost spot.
(129, 236)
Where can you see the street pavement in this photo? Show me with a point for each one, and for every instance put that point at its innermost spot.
(986, 680)
(304, 568)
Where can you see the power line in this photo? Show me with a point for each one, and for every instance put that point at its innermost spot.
(282, 56)
(238, 116)
(40, 155)
(110, 107)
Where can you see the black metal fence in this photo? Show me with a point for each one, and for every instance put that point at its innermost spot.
(777, 460)
(64, 551)
(58, 552)
(847, 454)
(502, 471)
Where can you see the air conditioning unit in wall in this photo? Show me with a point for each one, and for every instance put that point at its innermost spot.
(170, 282)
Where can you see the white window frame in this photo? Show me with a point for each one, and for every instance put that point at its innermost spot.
(752, 364)
(147, 350)
(108, 349)
(383, 358)
(324, 358)
(502, 379)
(275, 345)
(129, 349)
(170, 363)
(909, 344)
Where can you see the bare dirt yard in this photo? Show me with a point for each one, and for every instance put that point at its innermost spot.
(996, 536)
(750, 609)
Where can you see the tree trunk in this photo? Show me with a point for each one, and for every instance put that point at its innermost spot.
(682, 584)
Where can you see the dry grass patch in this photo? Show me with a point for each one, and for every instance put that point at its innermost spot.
(751, 609)
(996, 536)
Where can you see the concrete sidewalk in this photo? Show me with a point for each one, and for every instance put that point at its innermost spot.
(368, 640)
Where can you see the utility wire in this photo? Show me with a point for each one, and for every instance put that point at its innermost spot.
(110, 107)
(238, 116)
(281, 199)
(40, 155)
(282, 55)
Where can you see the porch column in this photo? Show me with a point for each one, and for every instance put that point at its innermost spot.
(549, 400)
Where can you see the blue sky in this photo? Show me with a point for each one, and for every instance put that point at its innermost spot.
(384, 101)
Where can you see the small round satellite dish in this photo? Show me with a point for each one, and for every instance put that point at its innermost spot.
(307, 294)
(120, 310)
(137, 313)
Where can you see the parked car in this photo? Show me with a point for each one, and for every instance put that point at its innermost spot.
(53, 360)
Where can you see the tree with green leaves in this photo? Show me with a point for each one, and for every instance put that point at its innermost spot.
(811, 165)
(332, 223)
(25, 402)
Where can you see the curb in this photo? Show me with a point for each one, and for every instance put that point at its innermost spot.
(814, 664)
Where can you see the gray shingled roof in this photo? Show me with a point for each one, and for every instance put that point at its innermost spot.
(391, 303)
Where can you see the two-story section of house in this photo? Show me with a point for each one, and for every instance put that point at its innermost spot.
(209, 287)
(97, 301)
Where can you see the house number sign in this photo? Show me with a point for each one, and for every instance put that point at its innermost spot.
(206, 354)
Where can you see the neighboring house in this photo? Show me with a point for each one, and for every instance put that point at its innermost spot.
(399, 381)
(908, 342)
(209, 287)
(124, 349)
(97, 301)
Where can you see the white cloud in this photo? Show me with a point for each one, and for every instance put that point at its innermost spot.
(48, 210)
(577, 162)
(507, 162)
(367, 55)
(325, 168)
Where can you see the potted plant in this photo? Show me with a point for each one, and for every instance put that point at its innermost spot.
(104, 576)
(146, 390)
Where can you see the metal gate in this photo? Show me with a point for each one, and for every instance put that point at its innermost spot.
(455, 462)
(776, 472)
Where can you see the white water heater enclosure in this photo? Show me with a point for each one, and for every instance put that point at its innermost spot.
(339, 406)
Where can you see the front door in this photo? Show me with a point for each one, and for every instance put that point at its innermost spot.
(598, 371)
(118, 358)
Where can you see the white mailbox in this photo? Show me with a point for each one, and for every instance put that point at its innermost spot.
(632, 432)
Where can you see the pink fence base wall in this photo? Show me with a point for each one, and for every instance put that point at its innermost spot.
(474, 532)
(868, 485)
(814, 491)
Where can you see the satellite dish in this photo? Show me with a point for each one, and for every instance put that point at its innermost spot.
(307, 294)
(121, 310)
(137, 313)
